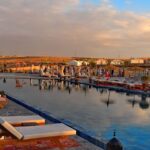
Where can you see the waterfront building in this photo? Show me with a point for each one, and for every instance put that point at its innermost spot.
(85, 63)
(75, 63)
(137, 61)
(147, 61)
(102, 61)
(117, 62)
(25, 68)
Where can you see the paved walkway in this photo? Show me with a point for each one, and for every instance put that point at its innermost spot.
(70, 143)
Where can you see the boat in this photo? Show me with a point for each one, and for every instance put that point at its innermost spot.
(135, 85)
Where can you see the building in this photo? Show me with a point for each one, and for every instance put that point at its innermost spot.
(137, 61)
(147, 61)
(102, 61)
(75, 63)
(85, 63)
(117, 62)
(25, 68)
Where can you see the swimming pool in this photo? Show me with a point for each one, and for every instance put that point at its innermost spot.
(97, 110)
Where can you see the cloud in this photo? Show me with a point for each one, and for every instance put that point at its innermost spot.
(56, 27)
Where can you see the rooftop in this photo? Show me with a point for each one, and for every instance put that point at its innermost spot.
(57, 143)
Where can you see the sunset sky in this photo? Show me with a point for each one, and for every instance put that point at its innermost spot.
(93, 28)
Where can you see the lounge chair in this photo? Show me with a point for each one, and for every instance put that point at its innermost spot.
(36, 132)
(19, 120)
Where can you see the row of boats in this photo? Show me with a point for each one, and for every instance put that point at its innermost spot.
(119, 82)
(122, 83)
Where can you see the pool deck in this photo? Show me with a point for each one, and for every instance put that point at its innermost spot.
(70, 143)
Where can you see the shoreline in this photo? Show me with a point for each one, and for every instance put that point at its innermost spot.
(109, 87)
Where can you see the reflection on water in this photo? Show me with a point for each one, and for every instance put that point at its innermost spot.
(98, 110)
(143, 103)
(4, 80)
(107, 101)
(133, 101)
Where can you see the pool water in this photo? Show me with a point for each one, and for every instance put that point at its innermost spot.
(99, 111)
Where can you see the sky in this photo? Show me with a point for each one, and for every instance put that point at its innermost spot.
(87, 28)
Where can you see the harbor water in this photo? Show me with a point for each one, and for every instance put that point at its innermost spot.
(96, 110)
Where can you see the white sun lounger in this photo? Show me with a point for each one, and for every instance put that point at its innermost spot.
(35, 132)
(24, 119)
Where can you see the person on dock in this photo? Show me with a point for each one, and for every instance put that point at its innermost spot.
(107, 75)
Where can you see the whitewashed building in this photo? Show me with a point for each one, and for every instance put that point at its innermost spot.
(148, 61)
(102, 62)
(137, 61)
(117, 62)
(75, 63)
(85, 63)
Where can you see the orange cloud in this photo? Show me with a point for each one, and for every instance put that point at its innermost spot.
(62, 27)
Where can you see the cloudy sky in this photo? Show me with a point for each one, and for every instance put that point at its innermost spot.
(93, 28)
